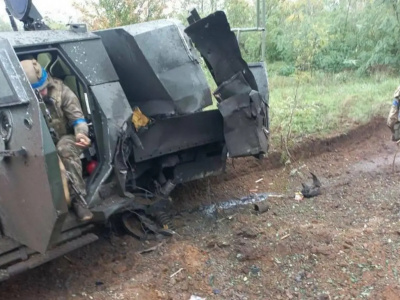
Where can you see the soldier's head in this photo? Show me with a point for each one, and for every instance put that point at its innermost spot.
(37, 75)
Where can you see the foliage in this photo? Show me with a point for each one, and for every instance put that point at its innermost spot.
(326, 102)
(286, 70)
(204, 7)
(325, 47)
(335, 35)
(54, 25)
(4, 26)
(308, 35)
(100, 14)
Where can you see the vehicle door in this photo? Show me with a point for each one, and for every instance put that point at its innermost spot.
(32, 202)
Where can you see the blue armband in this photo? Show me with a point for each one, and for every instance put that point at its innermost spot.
(78, 121)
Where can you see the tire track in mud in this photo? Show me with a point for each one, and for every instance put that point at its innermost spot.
(241, 173)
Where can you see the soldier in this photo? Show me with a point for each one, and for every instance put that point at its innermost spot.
(69, 128)
(393, 117)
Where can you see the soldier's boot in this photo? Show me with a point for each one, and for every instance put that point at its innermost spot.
(82, 211)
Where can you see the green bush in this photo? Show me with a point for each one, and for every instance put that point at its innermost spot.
(286, 70)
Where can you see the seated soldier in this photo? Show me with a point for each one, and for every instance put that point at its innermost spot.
(68, 125)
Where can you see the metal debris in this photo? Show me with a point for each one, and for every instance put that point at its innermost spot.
(252, 199)
(312, 190)
(261, 207)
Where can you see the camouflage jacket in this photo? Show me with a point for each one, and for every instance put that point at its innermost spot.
(64, 109)
(393, 116)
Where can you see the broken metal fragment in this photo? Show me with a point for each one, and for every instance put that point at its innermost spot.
(261, 207)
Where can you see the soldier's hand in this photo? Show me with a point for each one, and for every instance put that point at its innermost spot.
(82, 140)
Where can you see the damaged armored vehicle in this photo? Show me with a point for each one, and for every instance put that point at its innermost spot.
(143, 94)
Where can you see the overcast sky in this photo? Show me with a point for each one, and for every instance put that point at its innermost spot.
(60, 10)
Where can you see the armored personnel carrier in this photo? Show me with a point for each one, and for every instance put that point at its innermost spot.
(149, 72)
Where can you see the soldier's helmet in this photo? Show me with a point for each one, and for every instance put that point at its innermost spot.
(36, 74)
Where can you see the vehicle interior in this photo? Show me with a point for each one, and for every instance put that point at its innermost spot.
(58, 67)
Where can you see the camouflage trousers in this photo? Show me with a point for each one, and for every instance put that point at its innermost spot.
(69, 154)
(393, 117)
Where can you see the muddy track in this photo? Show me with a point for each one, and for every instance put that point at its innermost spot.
(344, 244)
(233, 183)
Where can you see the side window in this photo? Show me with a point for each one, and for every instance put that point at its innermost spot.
(61, 70)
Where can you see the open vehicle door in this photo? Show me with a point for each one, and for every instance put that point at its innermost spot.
(32, 201)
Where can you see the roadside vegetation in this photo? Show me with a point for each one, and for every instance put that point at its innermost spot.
(326, 103)
(331, 64)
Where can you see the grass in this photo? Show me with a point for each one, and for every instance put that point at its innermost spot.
(327, 103)
(323, 104)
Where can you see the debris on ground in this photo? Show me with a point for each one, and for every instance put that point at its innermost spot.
(196, 298)
(261, 207)
(313, 189)
(298, 196)
(343, 246)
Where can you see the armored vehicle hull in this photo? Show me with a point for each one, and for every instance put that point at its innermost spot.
(140, 72)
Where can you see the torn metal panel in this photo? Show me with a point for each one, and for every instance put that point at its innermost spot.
(261, 76)
(157, 68)
(244, 109)
(216, 42)
(237, 84)
(243, 124)
(179, 133)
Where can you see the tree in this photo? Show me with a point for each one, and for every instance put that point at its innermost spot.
(181, 8)
(328, 35)
(243, 14)
(4, 26)
(112, 13)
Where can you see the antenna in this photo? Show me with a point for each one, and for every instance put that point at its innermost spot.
(12, 21)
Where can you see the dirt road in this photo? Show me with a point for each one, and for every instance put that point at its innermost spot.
(343, 244)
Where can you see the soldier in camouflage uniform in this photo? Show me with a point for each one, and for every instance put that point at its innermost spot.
(70, 130)
(393, 117)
